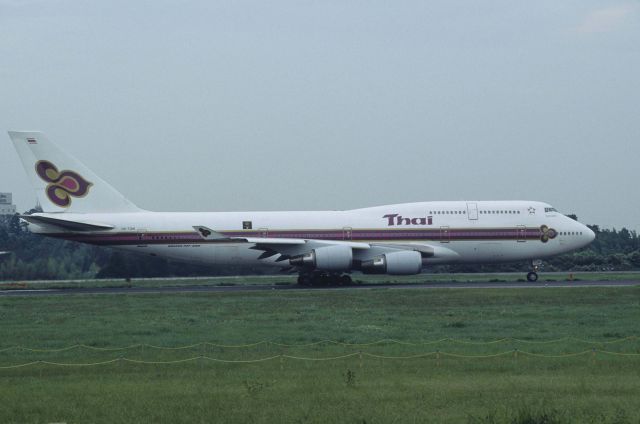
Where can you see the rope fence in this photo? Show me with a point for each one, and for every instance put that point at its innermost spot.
(361, 355)
(323, 342)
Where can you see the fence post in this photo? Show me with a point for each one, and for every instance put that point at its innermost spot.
(360, 355)
(438, 357)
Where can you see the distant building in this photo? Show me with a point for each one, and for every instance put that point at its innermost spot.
(6, 205)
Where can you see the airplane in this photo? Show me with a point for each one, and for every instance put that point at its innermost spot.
(320, 246)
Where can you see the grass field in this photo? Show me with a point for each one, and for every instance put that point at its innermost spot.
(513, 387)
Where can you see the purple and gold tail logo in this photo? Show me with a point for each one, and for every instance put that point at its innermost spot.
(63, 185)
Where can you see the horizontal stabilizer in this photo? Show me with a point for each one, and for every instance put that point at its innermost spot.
(67, 224)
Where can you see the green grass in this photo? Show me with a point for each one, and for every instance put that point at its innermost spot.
(509, 388)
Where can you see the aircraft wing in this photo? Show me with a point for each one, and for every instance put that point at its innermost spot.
(425, 250)
(429, 251)
(292, 247)
(288, 248)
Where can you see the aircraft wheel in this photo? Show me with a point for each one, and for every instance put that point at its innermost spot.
(305, 280)
(345, 280)
(532, 276)
(318, 279)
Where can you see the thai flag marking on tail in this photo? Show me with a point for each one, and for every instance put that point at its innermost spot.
(32, 141)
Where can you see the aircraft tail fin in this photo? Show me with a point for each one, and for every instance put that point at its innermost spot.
(62, 183)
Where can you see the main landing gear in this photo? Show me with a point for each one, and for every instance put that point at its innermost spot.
(532, 276)
(323, 279)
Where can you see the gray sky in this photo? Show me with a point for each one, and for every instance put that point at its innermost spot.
(254, 105)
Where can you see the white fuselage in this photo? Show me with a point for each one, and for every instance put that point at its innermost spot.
(457, 231)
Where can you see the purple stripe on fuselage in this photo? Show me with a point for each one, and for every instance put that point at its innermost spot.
(409, 234)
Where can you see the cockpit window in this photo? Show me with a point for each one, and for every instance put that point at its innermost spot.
(550, 210)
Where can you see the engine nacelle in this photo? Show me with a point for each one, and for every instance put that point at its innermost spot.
(395, 263)
(329, 258)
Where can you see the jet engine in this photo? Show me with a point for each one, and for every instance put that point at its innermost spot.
(329, 258)
(395, 263)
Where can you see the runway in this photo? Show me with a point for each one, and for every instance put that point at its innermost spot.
(293, 287)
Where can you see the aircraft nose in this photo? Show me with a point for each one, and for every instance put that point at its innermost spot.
(588, 235)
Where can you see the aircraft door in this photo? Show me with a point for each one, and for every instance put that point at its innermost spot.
(445, 237)
(472, 211)
(264, 232)
(347, 233)
(142, 237)
(522, 233)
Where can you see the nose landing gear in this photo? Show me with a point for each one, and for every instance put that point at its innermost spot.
(532, 276)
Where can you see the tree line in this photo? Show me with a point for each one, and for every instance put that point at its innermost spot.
(34, 257)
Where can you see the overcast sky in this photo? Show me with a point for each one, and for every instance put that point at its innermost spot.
(268, 105)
